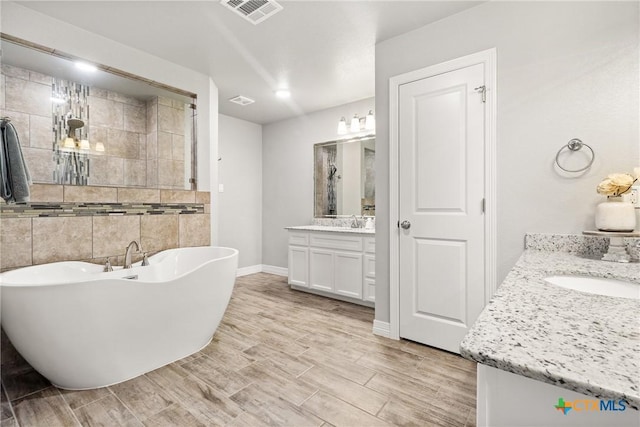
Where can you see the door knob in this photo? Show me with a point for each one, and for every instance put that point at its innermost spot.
(405, 224)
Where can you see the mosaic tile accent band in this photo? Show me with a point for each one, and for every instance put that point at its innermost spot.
(36, 210)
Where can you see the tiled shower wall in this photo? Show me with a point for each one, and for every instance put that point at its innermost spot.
(54, 227)
(165, 143)
(144, 140)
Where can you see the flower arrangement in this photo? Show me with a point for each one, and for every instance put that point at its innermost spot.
(617, 184)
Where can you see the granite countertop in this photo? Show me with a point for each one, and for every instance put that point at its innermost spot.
(582, 342)
(333, 229)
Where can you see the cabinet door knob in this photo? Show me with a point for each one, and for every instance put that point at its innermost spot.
(405, 224)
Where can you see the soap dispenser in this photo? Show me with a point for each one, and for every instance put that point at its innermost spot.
(369, 224)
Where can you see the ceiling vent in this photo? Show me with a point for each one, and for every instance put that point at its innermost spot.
(242, 100)
(254, 11)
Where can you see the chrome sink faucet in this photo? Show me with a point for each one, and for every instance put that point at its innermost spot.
(127, 254)
(355, 223)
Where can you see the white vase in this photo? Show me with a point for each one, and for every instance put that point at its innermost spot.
(615, 215)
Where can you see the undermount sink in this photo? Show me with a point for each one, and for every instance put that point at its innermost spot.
(597, 285)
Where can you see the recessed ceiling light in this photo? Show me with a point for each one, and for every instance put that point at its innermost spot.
(86, 67)
(283, 93)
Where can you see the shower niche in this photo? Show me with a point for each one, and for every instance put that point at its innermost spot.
(344, 177)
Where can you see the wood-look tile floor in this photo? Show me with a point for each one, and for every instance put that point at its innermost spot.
(279, 358)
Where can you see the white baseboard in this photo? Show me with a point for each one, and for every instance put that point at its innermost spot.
(382, 328)
(252, 269)
(272, 269)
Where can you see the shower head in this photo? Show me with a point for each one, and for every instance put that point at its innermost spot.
(73, 124)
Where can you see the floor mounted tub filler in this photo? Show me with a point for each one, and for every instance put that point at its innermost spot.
(83, 328)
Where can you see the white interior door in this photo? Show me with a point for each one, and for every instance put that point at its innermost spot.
(441, 151)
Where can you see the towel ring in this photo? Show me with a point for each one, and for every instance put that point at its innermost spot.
(575, 145)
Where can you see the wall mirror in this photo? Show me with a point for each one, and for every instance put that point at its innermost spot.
(344, 177)
(84, 124)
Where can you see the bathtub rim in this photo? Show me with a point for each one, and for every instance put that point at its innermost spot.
(98, 267)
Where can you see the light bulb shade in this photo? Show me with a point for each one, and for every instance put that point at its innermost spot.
(370, 121)
(69, 143)
(100, 147)
(84, 144)
(355, 124)
(342, 126)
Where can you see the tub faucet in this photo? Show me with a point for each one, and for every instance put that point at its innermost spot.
(355, 223)
(127, 254)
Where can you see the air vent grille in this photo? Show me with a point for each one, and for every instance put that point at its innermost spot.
(242, 100)
(254, 11)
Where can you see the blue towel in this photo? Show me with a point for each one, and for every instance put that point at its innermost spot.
(14, 173)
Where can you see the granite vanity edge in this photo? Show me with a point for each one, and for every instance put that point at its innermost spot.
(511, 331)
(331, 229)
(590, 246)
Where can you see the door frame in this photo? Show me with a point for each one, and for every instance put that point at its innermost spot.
(488, 59)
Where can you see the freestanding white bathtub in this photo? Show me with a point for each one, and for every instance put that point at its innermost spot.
(82, 328)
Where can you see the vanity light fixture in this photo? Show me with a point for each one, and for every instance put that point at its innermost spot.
(342, 126)
(84, 66)
(69, 142)
(358, 124)
(283, 93)
(355, 124)
(370, 121)
(74, 144)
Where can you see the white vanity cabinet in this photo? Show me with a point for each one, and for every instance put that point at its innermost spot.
(369, 284)
(335, 264)
(299, 259)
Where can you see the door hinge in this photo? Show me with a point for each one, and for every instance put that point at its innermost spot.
(484, 205)
(483, 90)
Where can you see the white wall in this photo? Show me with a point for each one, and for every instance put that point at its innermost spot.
(565, 70)
(33, 26)
(287, 178)
(240, 171)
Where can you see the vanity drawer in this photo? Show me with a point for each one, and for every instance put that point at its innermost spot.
(298, 239)
(370, 245)
(369, 290)
(370, 266)
(332, 241)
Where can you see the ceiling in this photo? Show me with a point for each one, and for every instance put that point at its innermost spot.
(322, 51)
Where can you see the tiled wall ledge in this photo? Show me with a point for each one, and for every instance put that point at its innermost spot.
(97, 234)
(51, 193)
